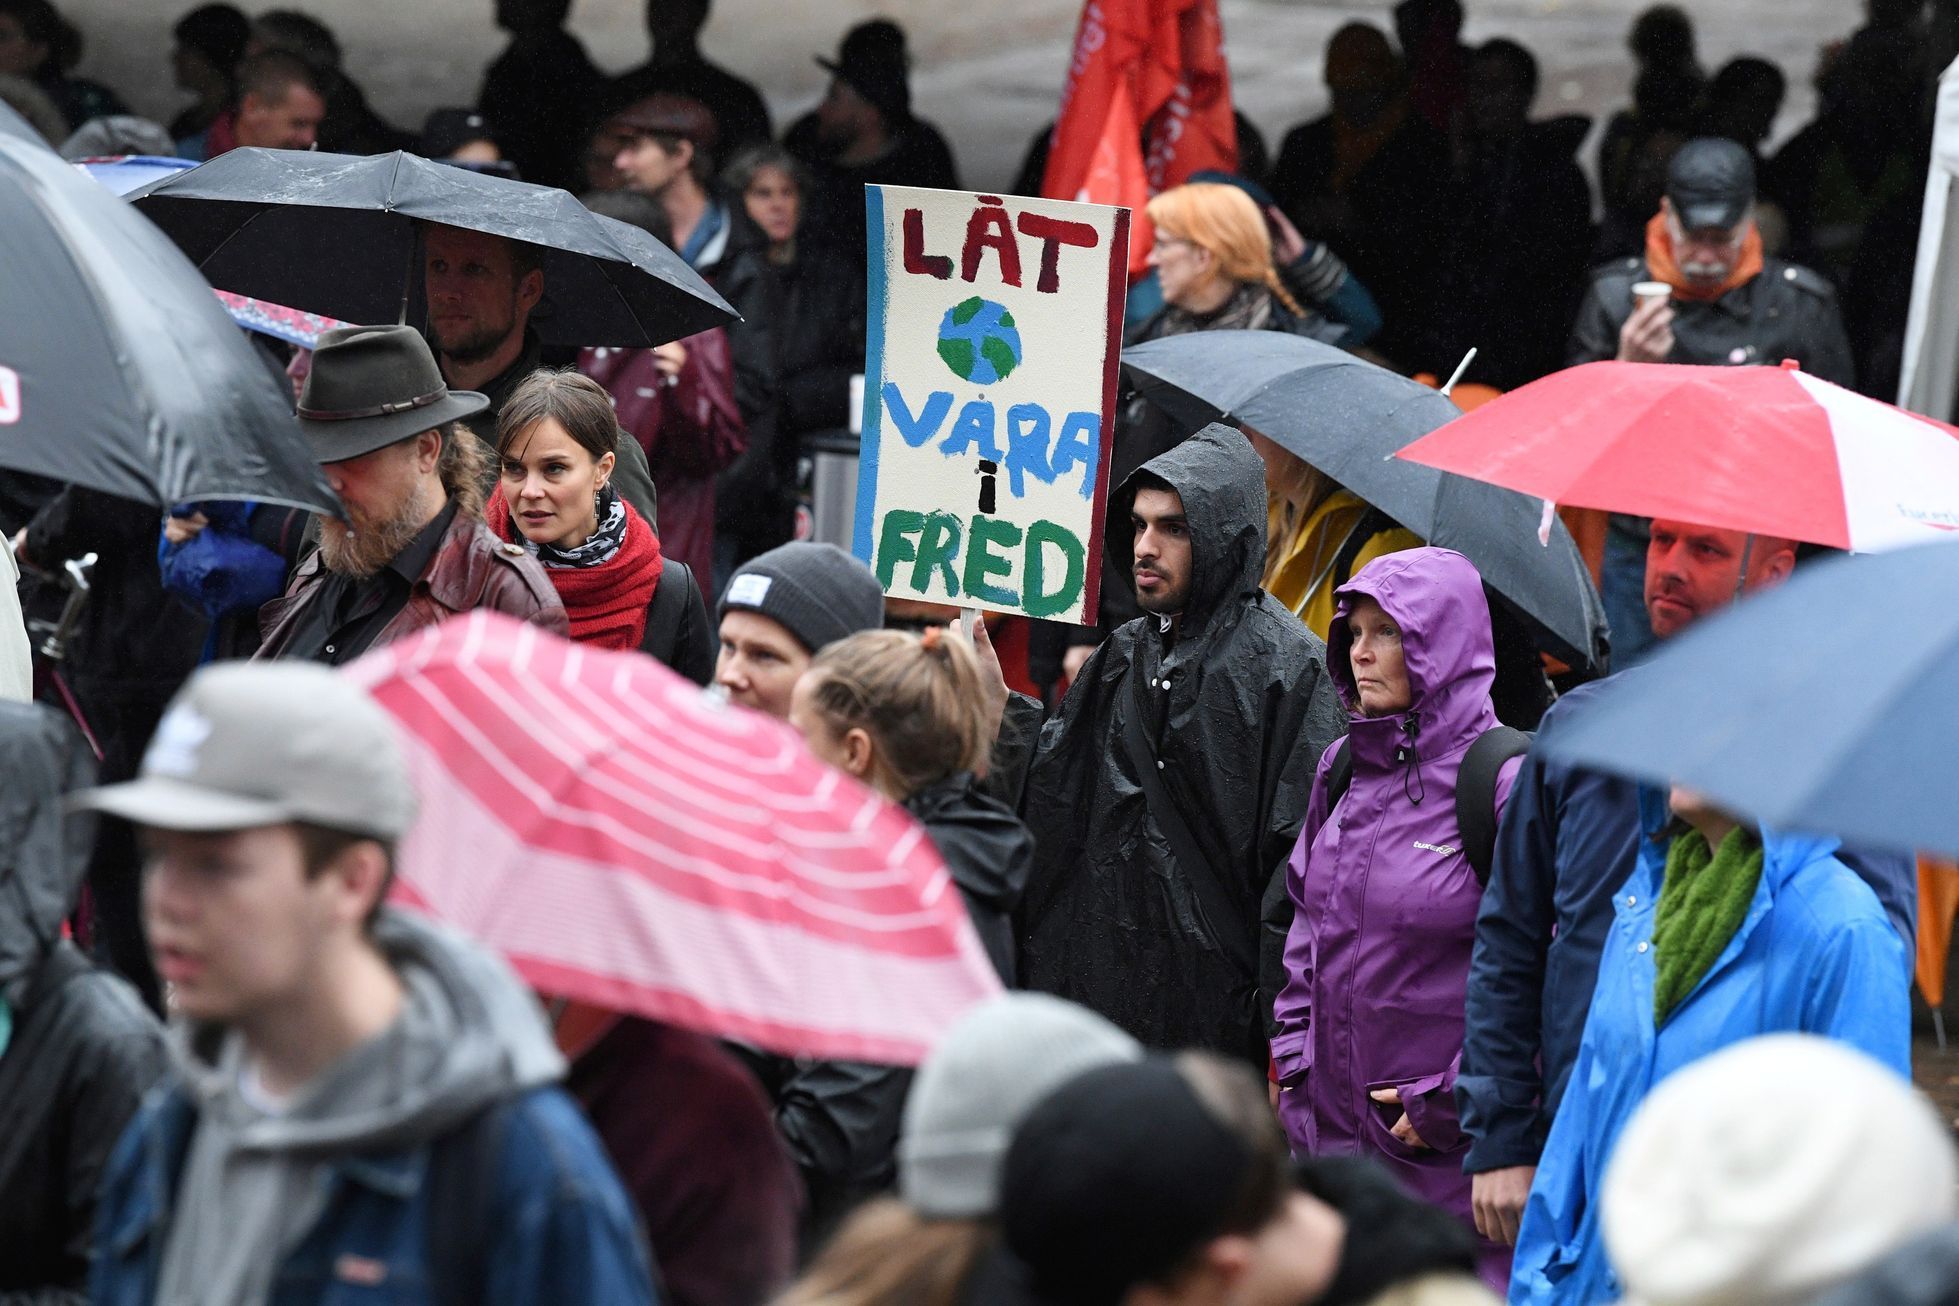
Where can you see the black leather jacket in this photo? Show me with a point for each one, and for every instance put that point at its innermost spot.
(1787, 311)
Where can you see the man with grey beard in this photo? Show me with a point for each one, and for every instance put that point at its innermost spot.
(410, 549)
(1705, 292)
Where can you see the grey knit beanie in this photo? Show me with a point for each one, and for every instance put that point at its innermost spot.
(989, 1071)
(817, 592)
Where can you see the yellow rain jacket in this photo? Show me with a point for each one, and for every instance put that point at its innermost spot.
(1299, 568)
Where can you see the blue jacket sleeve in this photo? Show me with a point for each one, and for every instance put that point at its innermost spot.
(1353, 307)
(1857, 990)
(567, 1231)
(1498, 1089)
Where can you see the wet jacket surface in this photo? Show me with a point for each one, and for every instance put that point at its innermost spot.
(1237, 711)
(83, 1050)
(689, 429)
(990, 854)
(1787, 311)
(841, 1119)
(472, 569)
(1384, 898)
(688, 1130)
(1568, 840)
(1815, 954)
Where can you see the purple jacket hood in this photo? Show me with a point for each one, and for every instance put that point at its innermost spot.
(1435, 596)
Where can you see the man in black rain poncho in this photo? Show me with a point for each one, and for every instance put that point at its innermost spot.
(1167, 792)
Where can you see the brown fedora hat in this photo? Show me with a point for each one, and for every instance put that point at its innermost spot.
(373, 386)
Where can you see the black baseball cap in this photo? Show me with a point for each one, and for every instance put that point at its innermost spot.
(1710, 183)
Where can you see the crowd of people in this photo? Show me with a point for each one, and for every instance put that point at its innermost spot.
(1326, 984)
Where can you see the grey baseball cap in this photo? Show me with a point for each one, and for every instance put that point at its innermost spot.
(247, 744)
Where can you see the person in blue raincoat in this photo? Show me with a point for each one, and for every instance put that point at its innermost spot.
(1721, 934)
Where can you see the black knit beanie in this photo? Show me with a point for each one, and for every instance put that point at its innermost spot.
(816, 592)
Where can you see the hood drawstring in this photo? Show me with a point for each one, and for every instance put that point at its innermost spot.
(1410, 755)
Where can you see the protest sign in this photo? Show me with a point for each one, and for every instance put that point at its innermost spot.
(994, 335)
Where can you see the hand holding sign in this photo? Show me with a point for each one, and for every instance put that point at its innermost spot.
(992, 353)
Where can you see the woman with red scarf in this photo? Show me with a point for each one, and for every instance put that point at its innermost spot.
(556, 442)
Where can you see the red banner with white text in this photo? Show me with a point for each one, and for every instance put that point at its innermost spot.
(1148, 102)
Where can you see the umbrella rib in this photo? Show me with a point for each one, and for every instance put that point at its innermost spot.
(235, 233)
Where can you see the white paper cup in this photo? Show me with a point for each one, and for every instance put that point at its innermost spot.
(1645, 290)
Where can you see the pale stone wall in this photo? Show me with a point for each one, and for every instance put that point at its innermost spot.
(989, 75)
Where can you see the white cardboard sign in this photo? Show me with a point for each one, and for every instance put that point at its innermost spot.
(995, 332)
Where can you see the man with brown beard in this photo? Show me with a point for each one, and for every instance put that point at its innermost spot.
(481, 291)
(412, 549)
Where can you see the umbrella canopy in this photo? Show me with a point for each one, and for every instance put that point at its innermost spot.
(626, 841)
(1768, 450)
(127, 172)
(276, 320)
(1347, 417)
(123, 173)
(118, 370)
(1758, 708)
(336, 234)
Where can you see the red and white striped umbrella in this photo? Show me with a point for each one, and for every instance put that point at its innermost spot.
(626, 841)
(1769, 450)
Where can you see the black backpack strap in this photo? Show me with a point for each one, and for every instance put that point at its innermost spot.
(1372, 522)
(669, 607)
(461, 1207)
(1339, 774)
(1476, 793)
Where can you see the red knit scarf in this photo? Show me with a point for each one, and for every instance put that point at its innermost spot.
(607, 603)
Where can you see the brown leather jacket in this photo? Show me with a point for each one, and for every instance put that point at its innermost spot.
(473, 569)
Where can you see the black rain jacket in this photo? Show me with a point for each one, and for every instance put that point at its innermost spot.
(1236, 712)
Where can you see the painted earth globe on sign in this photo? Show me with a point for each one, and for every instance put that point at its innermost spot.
(978, 341)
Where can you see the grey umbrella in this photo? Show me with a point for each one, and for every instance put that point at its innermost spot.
(118, 368)
(1346, 418)
(338, 234)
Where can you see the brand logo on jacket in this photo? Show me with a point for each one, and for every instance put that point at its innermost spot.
(1441, 848)
(9, 396)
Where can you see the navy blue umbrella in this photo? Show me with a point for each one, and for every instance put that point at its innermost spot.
(1829, 704)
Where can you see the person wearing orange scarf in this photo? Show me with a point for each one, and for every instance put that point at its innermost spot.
(1707, 293)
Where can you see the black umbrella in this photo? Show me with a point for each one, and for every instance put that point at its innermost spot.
(119, 370)
(339, 235)
(1346, 417)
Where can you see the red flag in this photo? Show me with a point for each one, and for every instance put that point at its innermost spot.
(1148, 102)
(1193, 129)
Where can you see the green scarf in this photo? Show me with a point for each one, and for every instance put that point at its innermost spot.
(1703, 901)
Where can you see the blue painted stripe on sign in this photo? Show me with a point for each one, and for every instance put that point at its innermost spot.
(876, 294)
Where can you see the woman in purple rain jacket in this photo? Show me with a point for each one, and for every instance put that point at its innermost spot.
(1370, 1022)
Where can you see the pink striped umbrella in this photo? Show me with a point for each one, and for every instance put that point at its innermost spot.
(627, 841)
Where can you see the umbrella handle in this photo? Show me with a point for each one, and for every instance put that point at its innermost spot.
(416, 257)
